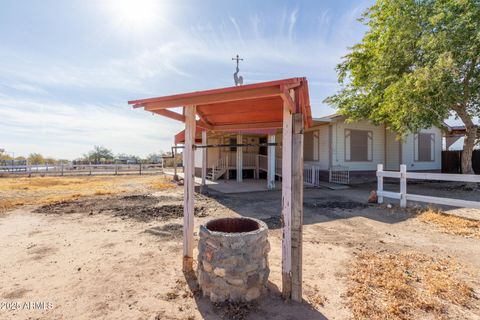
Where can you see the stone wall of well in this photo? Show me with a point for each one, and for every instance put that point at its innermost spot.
(233, 266)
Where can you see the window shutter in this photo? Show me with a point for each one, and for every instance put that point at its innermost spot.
(415, 146)
(370, 146)
(432, 147)
(348, 155)
(315, 145)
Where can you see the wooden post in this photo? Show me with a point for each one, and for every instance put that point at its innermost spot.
(379, 183)
(297, 206)
(62, 168)
(287, 202)
(90, 167)
(271, 163)
(116, 168)
(189, 188)
(175, 176)
(239, 159)
(403, 186)
(140, 168)
(204, 161)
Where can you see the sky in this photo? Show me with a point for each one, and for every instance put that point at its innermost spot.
(68, 68)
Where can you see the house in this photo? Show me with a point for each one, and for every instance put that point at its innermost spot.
(334, 150)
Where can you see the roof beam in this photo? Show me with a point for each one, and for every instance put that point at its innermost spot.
(170, 114)
(287, 98)
(203, 124)
(213, 98)
(259, 125)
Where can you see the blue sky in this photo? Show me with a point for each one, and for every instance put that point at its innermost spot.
(67, 68)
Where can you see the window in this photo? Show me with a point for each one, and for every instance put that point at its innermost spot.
(425, 147)
(358, 145)
(232, 141)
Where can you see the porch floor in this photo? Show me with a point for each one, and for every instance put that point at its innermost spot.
(232, 186)
(247, 185)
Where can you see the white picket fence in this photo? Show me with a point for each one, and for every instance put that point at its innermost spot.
(403, 196)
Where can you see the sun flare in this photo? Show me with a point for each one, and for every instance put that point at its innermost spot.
(135, 14)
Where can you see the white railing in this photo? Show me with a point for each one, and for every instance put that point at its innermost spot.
(403, 196)
(311, 174)
(249, 159)
(80, 169)
(219, 168)
(263, 164)
(339, 174)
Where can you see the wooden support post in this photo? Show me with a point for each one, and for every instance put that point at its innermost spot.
(271, 163)
(175, 175)
(62, 169)
(239, 159)
(140, 168)
(379, 183)
(403, 186)
(297, 206)
(189, 188)
(287, 202)
(204, 161)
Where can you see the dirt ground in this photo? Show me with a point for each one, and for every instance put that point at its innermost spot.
(119, 256)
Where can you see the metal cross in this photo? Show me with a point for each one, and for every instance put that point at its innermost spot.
(237, 59)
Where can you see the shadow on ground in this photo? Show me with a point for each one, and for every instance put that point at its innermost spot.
(270, 306)
(319, 205)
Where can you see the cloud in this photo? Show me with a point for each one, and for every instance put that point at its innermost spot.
(63, 106)
(68, 131)
(292, 22)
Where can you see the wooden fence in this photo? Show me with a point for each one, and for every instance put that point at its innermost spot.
(81, 169)
(452, 161)
(403, 196)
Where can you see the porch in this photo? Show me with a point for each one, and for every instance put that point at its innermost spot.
(253, 162)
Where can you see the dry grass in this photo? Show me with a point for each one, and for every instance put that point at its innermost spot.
(314, 297)
(161, 185)
(451, 224)
(16, 191)
(405, 286)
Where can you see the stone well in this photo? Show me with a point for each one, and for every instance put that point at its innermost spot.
(233, 259)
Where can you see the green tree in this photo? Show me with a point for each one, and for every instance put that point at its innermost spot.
(418, 63)
(99, 154)
(36, 158)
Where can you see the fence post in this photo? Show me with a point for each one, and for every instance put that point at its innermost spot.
(403, 186)
(116, 168)
(90, 167)
(62, 169)
(140, 168)
(379, 182)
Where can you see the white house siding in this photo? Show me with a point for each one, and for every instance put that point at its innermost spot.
(408, 152)
(392, 152)
(338, 145)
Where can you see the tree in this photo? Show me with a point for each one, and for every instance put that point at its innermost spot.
(35, 158)
(99, 154)
(4, 156)
(418, 63)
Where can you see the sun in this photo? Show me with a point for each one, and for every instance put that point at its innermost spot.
(135, 15)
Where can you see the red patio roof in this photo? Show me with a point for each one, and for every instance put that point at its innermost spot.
(252, 106)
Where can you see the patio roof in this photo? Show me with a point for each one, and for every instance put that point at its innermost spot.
(252, 106)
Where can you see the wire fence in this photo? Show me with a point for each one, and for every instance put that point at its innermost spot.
(80, 169)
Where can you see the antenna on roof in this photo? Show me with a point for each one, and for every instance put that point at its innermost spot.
(238, 79)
